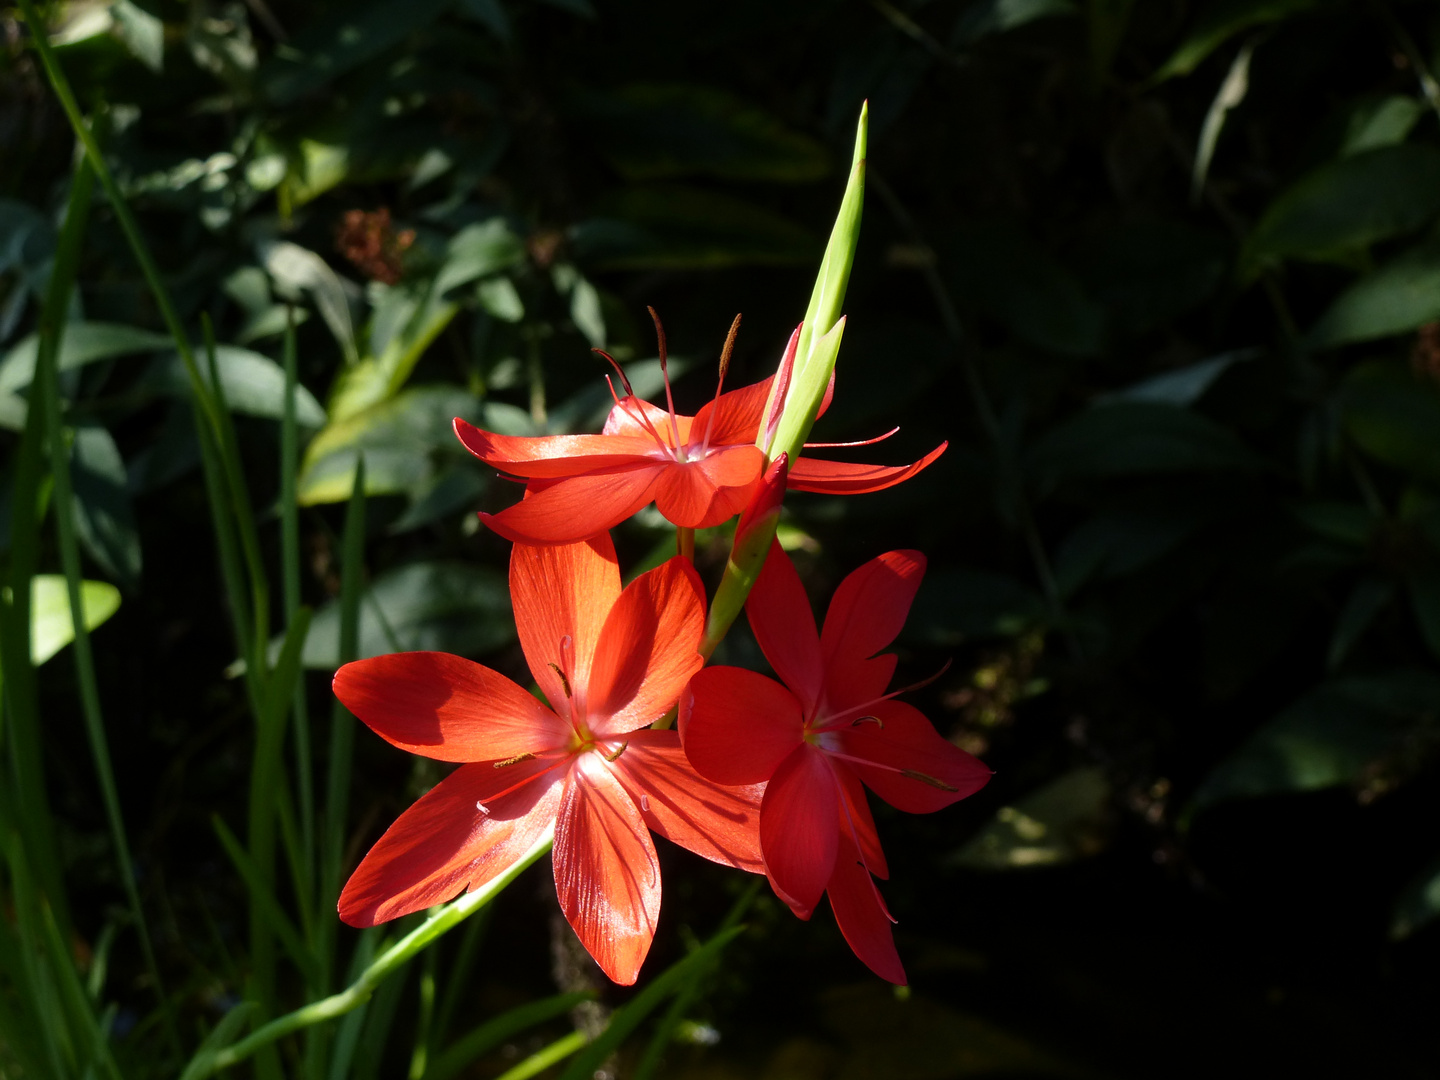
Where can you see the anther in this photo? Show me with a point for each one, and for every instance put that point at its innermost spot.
(563, 680)
(617, 753)
(482, 808)
(516, 759)
(644, 804)
(914, 775)
(871, 719)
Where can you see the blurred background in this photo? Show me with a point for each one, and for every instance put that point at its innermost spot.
(1165, 274)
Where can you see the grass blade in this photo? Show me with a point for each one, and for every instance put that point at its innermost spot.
(279, 923)
(541, 1060)
(419, 1057)
(625, 1020)
(500, 1029)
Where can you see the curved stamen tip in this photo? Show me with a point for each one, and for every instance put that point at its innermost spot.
(624, 381)
(870, 719)
(482, 807)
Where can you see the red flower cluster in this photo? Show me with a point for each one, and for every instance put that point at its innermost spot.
(764, 777)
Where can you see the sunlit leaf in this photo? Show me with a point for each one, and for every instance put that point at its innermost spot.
(667, 131)
(477, 251)
(51, 628)
(1402, 295)
(1329, 737)
(295, 270)
(399, 438)
(1063, 821)
(1183, 386)
(83, 343)
(142, 33)
(449, 606)
(253, 384)
(1418, 904)
(1350, 203)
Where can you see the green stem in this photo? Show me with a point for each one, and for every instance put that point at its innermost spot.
(358, 992)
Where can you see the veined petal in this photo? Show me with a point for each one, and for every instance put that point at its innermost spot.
(562, 594)
(779, 614)
(737, 726)
(606, 873)
(800, 827)
(843, 478)
(625, 419)
(721, 824)
(904, 760)
(553, 455)
(862, 916)
(857, 823)
(701, 494)
(575, 507)
(737, 415)
(647, 649)
(866, 614)
(445, 842)
(447, 707)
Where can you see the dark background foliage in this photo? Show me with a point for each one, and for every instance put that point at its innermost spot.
(1165, 274)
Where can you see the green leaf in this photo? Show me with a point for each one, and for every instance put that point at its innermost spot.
(1350, 203)
(50, 626)
(1134, 438)
(445, 606)
(477, 251)
(627, 1018)
(339, 44)
(668, 131)
(1220, 22)
(253, 384)
(1329, 737)
(501, 1029)
(1367, 599)
(142, 33)
(1378, 121)
(1394, 416)
(681, 228)
(1123, 539)
(1418, 904)
(1062, 822)
(1401, 296)
(104, 519)
(1183, 386)
(296, 270)
(231, 1024)
(83, 343)
(398, 437)
(985, 17)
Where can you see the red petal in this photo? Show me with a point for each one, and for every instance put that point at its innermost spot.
(702, 494)
(553, 455)
(737, 726)
(866, 614)
(779, 614)
(448, 708)
(623, 420)
(647, 649)
(737, 415)
(606, 874)
(909, 742)
(721, 824)
(562, 592)
(843, 478)
(799, 826)
(857, 823)
(444, 842)
(862, 916)
(576, 507)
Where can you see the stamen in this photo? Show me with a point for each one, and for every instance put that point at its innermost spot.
(911, 774)
(625, 382)
(644, 804)
(863, 719)
(924, 779)
(862, 442)
(482, 808)
(836, 720)
(631, 406)
(665, 374)
(563, 680)
(612, 757)
(559, 760)
(725, 352)
(517, 758)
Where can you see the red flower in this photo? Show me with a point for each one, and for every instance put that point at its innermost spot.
(610, 663)
(831, 727)
(699, 471)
